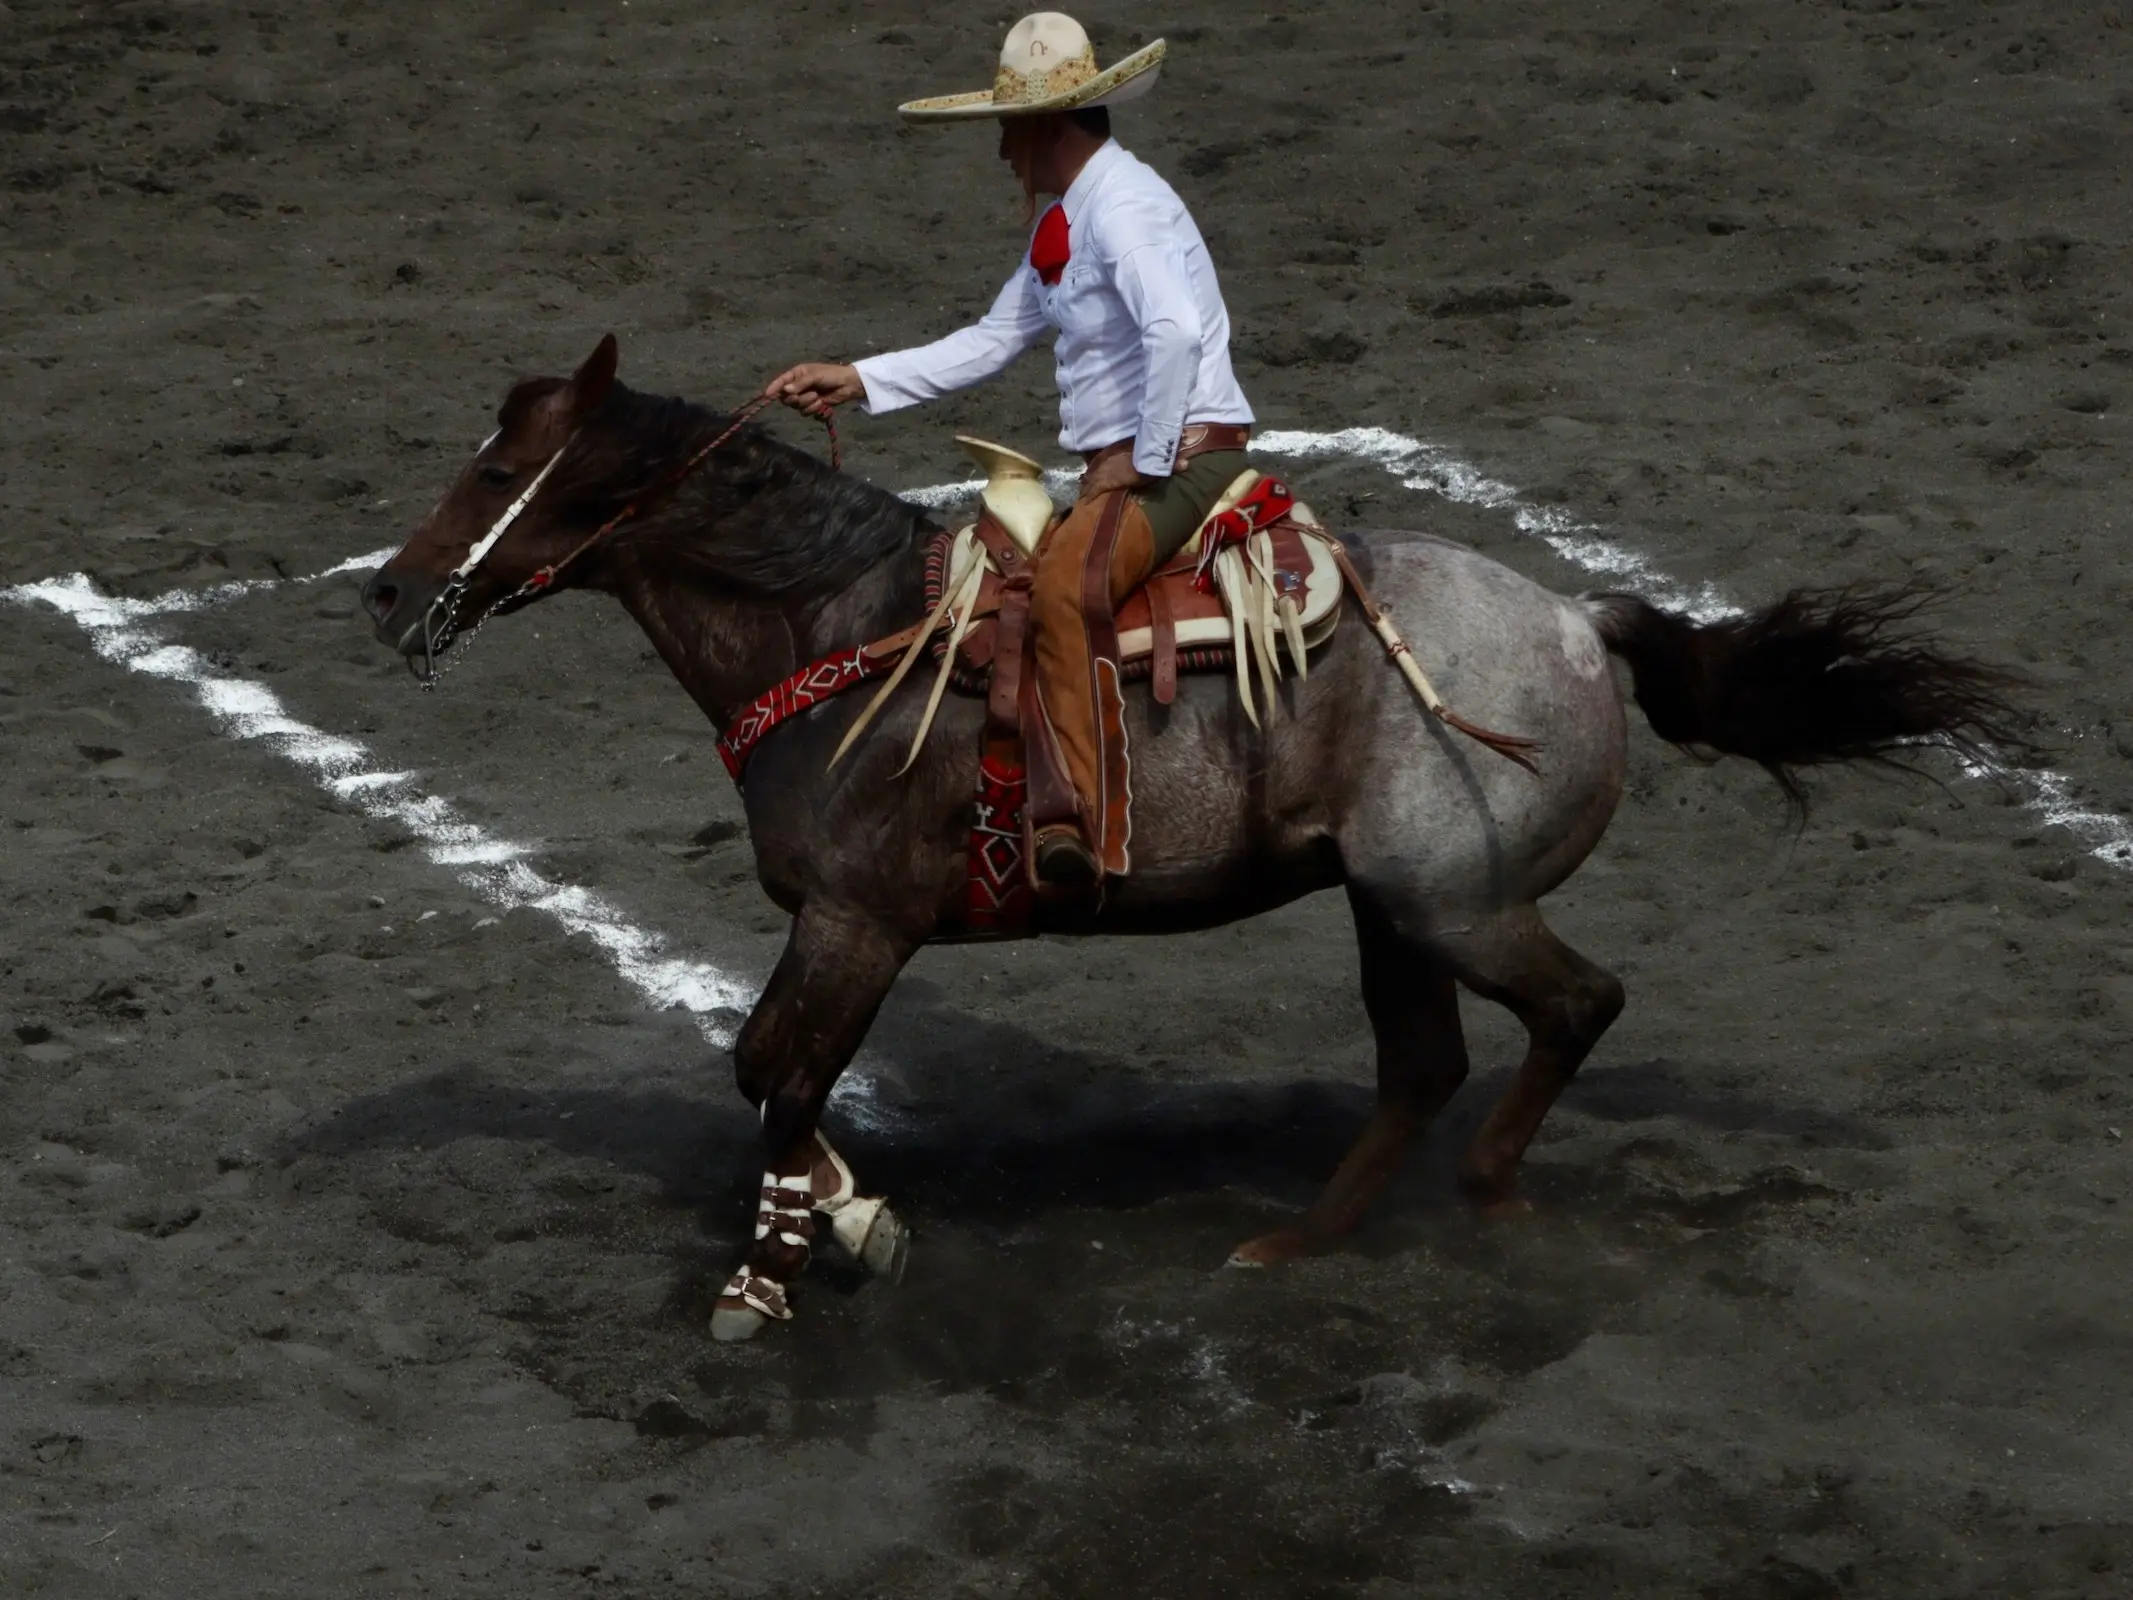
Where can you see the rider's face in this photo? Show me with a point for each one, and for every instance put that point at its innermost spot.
(1018, 150)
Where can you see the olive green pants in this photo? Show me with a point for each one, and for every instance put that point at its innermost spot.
(1180, 503)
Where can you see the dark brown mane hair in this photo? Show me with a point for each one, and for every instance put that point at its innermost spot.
(760, 515)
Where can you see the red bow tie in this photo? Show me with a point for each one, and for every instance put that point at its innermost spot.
(1048, 251)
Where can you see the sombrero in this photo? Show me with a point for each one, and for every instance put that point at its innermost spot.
(1047, 64)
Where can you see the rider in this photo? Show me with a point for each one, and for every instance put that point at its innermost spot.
(1118, 270)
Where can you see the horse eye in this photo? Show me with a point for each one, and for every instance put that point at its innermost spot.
(496, 477)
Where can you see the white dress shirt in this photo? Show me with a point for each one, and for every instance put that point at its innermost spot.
(1143, 344)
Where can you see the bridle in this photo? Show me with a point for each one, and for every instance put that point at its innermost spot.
(440, 619)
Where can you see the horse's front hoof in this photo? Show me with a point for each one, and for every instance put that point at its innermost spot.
(736, 1324)
(1503, 1208)
(745, 1304)
(1272, 1249)
(874, 1236)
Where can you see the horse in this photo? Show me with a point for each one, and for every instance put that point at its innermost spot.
(743, 559)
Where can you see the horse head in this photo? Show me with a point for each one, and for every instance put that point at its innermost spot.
(493, 530)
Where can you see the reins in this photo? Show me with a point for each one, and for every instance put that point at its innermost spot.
(440, 621)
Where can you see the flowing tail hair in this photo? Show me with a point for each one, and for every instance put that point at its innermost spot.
(1819, 676)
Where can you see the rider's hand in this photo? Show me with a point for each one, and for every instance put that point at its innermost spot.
(815, 387)
(1112, 472)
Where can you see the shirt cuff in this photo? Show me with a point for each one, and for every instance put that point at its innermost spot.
(1155, 452)
(882, 392)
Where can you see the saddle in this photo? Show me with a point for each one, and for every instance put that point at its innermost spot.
(1206, 609)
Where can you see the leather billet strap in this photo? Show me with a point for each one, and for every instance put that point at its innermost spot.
(1018, 574)
(1163, 630)
(1005, 553)
(1003, 700)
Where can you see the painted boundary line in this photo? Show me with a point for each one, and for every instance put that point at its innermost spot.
(494, 868)
(123, 632)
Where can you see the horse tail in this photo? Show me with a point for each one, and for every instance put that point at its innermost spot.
(1819, 676)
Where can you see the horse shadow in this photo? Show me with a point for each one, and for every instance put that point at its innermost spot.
(1065, 1128)
(988, 1121)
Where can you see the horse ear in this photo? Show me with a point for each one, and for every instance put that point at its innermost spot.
(590, 383)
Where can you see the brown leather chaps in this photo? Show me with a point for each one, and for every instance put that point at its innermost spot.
(1100, 553)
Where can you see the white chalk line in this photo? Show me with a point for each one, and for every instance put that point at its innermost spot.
(496, 869)
(493, 868)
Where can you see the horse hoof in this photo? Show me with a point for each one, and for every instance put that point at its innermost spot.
(1272, 1249)
(874, 1236)
(1494, 1197)
(747, 1302)
(736, 1324)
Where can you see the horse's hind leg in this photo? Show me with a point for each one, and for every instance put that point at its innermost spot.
(1565, 1002)
(1413, 1003)
(834, 974)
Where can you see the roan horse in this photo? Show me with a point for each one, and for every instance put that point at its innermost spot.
(761, 560)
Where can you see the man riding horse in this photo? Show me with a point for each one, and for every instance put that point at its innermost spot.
(771, 582)
(1117, 268)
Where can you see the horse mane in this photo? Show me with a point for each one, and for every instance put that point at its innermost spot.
(757, 515)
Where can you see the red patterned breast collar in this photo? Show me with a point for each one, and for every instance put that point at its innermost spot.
(810, 686)
(829, 677)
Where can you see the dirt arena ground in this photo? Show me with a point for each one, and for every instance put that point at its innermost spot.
(358, 1240)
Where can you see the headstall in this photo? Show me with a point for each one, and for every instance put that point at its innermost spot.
(440, 621)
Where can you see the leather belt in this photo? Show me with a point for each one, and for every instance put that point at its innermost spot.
(1198, 439)
(1204, 438)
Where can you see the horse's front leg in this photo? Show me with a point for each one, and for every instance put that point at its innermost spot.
(871, 1233)
(838, 966)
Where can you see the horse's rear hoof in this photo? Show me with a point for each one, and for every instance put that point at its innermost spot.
(874, 1236)
(1494, 1195)
(736, 1324)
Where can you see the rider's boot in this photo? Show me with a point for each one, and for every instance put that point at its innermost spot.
(1064, 859)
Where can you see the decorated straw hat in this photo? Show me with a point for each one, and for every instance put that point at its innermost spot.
(1047, 64)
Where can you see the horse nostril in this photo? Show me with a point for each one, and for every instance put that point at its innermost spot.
(379, 598)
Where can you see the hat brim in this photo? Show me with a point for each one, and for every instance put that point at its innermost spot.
(1115, 85)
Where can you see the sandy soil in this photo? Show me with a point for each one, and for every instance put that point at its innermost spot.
(355, 1241)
